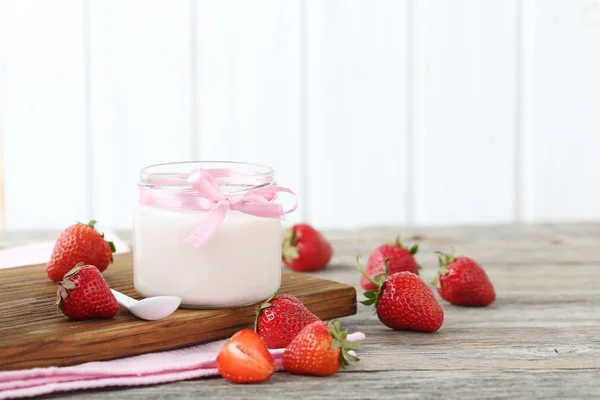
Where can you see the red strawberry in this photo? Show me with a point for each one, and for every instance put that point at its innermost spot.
(305, 249)
(319, 349)
(280, 319)
(403, 301)
(79, 243)
(83, 294)
(462, 281)
(400, 259)
(244, 358)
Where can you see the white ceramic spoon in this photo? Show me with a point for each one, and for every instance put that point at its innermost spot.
(150, 309)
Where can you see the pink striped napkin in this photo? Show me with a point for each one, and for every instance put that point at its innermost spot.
(167, 366)
(147, 369)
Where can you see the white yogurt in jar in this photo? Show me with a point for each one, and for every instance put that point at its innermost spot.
(239, 264)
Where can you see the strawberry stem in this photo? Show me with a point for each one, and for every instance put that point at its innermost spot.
(362, 271)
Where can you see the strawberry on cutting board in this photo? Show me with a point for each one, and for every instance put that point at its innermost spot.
(463, 282)
(84, 294)
(399, 258)
(305, 249)
(79, 243)
(403, 301)
(319, 349)
(280, 319)
(244, 358)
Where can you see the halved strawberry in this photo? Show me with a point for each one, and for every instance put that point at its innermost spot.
(244, 358)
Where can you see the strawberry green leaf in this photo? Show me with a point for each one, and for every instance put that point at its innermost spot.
(368, 302)
(398, 242)
(378, 280)
(370, 294)
(73, 271)
(67, 284)
(340, 342)
(444, 260)
(414, 249)
(266, 304)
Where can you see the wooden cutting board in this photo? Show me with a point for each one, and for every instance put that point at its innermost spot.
(33, 334)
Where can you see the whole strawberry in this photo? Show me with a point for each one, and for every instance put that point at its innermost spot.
(399, 259)
(462, 282)
(79, 243)
(305, 249)
(280, 319)
(403, 301)
(83, 294)
(319, 349)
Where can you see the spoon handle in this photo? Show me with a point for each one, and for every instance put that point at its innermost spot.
(123, 300)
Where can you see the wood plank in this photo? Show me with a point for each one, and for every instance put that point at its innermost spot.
(44, 115)
(561, 99)
(249, 86)
(464, 112)
(141, 93)
(357, 113)
(35, 335)
(391, 384)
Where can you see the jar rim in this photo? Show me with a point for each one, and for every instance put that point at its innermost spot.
(239, 176)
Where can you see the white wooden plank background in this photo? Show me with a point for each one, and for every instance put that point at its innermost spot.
(141, 92)
(464, 120)
(389, 112)
(249, 86)
(42, 102)
(562, 119)
(356, 112)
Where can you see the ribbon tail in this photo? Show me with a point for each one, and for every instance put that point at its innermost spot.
(209, 225)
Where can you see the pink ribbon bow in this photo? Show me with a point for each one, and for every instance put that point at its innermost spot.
(254, 202)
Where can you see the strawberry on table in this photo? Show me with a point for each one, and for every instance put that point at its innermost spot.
(463, 282)
(399, 258)
(244, 358)
(79, 243)
(403, 301)
(319, 349)
(305, 249)
(84, 294)
(280, 319)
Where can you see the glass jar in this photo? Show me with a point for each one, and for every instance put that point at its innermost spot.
(238, 264)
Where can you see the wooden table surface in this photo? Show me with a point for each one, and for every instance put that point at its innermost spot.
(540, 339)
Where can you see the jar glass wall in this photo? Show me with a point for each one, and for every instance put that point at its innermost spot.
(241, 262)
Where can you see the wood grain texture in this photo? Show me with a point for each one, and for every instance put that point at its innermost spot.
(33, 334)
(540, 339)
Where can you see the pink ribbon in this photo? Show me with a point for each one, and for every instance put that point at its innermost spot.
(208, 196)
